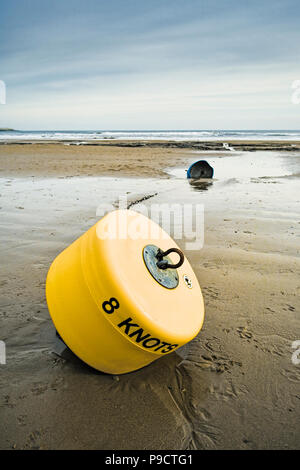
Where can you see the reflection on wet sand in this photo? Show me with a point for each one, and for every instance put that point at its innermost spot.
(201, 184)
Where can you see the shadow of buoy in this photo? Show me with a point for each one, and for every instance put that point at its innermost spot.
(200, 169)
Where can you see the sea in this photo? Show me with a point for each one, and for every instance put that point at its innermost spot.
(177, 135)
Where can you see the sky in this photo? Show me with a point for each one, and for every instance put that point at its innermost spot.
(155, 64)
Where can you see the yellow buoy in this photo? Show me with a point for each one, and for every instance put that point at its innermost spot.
(115, 300)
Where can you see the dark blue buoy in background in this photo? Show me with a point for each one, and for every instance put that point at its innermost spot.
(200, 169)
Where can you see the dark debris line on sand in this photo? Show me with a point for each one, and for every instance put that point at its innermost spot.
(144, 198)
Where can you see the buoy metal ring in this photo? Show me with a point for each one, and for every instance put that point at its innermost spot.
(164, 263)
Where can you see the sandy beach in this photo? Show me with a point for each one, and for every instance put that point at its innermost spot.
(235, 385)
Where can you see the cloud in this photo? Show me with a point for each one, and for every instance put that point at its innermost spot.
(156, 57)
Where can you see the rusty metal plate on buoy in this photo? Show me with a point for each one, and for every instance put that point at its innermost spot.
(165, 277)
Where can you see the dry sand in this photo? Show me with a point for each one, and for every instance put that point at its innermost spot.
(234, 386)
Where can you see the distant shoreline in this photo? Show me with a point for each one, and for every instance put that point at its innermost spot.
(210, 145)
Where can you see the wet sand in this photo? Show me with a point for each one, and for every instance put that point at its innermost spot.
(109, 157)
(234, 385)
